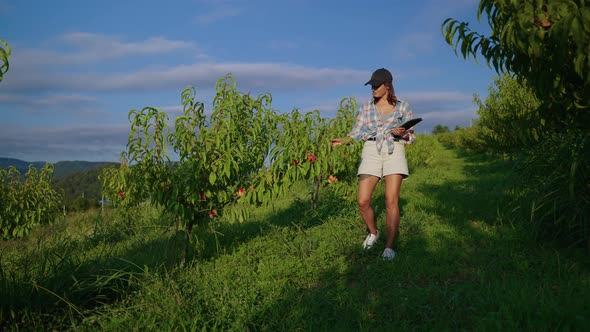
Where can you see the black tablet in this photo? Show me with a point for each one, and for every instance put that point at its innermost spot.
(411, 123)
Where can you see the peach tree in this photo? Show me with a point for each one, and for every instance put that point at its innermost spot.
(303, 151)
(544, 42)
(222, 158)
(4, 55)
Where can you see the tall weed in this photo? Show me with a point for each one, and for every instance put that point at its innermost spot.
(555, 178)
(420, 153)
(52, 281)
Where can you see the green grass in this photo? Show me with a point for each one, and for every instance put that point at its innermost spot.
(465, 262)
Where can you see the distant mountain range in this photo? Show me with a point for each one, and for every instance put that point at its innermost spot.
(61, 168)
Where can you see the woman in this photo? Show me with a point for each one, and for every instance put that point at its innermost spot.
(383, 157)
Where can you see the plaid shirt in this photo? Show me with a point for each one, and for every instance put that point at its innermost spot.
(369, 125)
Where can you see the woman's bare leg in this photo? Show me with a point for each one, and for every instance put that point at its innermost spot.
(367, 184)
(393, 185)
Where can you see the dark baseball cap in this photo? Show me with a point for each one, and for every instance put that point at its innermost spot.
(379, 77)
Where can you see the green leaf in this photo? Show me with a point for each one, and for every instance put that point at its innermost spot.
(226, 168)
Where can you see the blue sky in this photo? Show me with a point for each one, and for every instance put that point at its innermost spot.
(78, 67)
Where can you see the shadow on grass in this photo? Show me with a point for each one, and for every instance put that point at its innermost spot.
(59, 284)
(480, 196)
(461, 272)
(469, 272)
(298, 214)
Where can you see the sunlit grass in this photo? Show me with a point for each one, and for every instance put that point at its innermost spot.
(464, 263)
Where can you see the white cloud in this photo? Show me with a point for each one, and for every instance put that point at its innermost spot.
(327, 107)
(105, 142)
(283, 45)
(422, 102)
(88, 48)
(173, 112)
(258, 76)
(217, 10)
(437, 97)
(40, 70)
(449, 116)
(104, 46)
(172, 109)
(72, 106)
(91, 143)
(52, 100)
(449, 108)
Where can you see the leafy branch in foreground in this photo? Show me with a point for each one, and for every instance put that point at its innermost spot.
(4, 55)
(545, 42)
(544, 45)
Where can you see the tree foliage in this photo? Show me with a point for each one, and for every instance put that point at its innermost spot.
(4, 55)
(546, 42)
(241, 155)
(439, 129)
(219, 156)
(509, 118)
(27, 203)
(303, 151)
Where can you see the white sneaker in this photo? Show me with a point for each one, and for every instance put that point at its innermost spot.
(388, 254)
(370, 240)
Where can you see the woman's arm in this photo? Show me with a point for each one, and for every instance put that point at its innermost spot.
(340, 140)
(357, 131)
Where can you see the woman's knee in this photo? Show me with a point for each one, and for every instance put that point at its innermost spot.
(364, 203)
(391, 203)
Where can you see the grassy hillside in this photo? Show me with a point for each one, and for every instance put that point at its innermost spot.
(64, 168)
(81, 190)
(466, 261)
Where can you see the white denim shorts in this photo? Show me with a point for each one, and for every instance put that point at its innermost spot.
(382, 164)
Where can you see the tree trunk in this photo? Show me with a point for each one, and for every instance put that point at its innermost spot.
(187, 242)
(315, 192)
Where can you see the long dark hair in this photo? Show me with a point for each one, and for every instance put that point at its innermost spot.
(391, 97)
